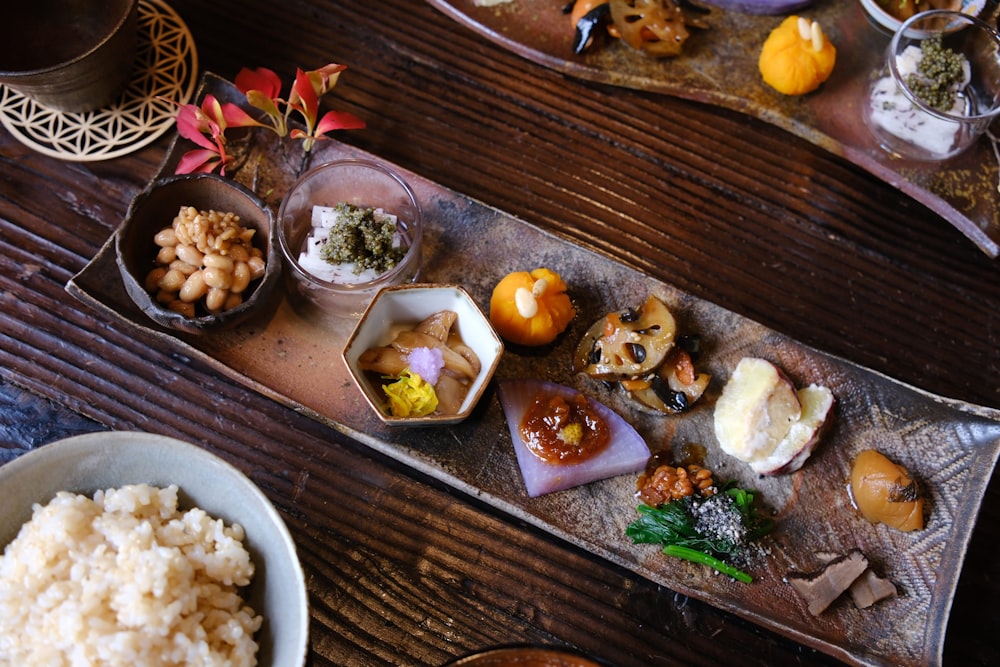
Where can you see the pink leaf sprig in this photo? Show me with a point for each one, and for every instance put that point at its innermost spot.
(206, 125)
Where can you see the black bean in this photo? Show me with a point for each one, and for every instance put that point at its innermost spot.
(676, 401)
(595, 354)
(630, 315)
(636, 351)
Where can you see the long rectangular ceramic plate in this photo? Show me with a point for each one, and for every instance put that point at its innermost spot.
(951, 448)
(719, 66)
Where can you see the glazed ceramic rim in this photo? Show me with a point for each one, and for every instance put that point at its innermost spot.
(517, 654)
(416, 228)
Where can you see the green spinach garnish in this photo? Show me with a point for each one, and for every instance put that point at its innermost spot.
(707, 530)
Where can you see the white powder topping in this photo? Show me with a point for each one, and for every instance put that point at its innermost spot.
(896, 114)
(719, 519)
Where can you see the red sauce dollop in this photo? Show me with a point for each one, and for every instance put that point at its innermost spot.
(562, 431)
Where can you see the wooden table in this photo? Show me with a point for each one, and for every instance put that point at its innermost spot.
(401, 569)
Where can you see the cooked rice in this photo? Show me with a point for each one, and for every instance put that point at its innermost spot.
(125, 578)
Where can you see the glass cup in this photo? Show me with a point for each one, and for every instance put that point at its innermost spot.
(907, 117)
(361, 183)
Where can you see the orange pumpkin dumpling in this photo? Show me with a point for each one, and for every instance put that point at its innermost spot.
(797, 57)
(884, 492)
(531, 308)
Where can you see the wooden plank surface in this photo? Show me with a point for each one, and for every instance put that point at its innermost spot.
(402, 570)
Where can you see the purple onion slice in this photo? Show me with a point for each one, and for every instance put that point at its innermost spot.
(626, 452)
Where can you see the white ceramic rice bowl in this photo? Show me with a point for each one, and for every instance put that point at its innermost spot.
(86, 463)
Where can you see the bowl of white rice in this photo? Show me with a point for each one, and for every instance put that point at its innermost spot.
(125, 548)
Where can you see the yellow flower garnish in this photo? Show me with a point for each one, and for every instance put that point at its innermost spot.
(410, 396)
(571, 433)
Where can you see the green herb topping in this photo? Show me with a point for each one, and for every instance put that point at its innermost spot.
(365, 237)
(708, 530)
(939, 73)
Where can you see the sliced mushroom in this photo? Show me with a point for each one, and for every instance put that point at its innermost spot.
(867, 589)
(870, 588)
(819, 589)
(407, 341)
(386, 361)
(455, 343)
(438, 325)
(450, 393)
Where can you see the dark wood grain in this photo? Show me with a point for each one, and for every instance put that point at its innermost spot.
(402, 570)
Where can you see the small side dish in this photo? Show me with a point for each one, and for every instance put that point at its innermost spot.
(422, 354)
(426, 369)
(936, 77)
(531, 308)
(762, 7)
(125, 577)
(641, 351)
(841, 573)
(937, 91)
(884, 492)
(206, 262)
(762, 420)
(888, 15)
(797, 57)
(691, 518)
(904, 9)
(348, 228)
(563, 439)
(657, 28)
(197, 253)
(526, 656)
(351, 244)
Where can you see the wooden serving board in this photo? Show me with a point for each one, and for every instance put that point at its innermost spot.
(951, 448)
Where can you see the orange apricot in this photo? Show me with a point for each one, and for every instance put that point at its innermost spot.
(884, 492)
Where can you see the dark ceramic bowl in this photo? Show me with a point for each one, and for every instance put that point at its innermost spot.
(69, 55)
(155, 208)
(526, 656)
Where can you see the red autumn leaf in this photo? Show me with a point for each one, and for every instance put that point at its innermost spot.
(194, 125)
(261, 79)
(237, 117)
(206, 125)
(304, 97)
(199, 161)
(327, 75)
(213, 111)
(339, 120)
